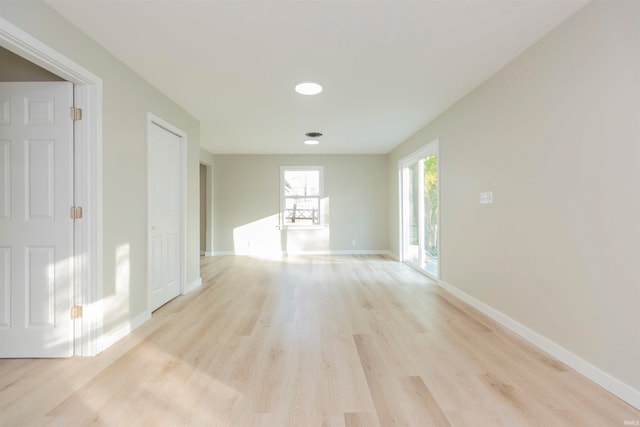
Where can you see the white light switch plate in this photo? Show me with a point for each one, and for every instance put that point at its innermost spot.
(486, 197)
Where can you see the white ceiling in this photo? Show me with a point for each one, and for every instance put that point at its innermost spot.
(387, 67)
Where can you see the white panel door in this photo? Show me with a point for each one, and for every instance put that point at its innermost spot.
(36, 193)
(164, 215)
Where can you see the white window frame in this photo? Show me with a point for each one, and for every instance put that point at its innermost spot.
(283, 222)
(431, 148)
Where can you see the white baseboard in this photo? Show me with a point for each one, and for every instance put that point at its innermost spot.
(341, 252)
(595, 374)
(223, 253)
(107, 340)
(193, 285)
(336, 252)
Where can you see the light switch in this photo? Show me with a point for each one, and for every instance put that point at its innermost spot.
(486, 197)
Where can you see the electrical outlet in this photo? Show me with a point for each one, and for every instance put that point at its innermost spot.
(353, 243)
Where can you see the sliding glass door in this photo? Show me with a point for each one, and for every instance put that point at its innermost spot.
(419, 210)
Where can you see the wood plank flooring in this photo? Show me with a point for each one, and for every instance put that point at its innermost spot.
(309, 341)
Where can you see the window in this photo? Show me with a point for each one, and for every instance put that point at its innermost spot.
(301, 190)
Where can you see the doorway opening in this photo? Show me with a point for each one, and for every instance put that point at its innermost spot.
(203, 209)
(419, 210)
(206, 209)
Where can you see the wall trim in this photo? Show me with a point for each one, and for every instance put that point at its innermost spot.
(109, 339)
(193, 285)
(595, 374)
(340, 252)
(335, 252)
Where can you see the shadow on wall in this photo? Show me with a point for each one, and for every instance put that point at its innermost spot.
(119, 296)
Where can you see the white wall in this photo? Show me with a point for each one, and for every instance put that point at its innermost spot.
(127, 99)
(247, 203)
(556, 136)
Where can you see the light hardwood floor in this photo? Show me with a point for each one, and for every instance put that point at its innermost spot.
(309, 341)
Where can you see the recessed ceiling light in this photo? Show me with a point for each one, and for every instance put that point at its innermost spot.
(308, 88)
(312, 142)
(313, 134)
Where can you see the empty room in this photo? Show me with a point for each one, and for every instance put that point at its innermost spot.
(320, 213)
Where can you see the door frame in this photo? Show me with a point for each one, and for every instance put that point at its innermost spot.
(87, 243)
(208, 209)
(152, 120)
(430, 148)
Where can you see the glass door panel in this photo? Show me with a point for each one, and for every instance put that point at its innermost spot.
(412, 253)
(419, 207)
(430, 214)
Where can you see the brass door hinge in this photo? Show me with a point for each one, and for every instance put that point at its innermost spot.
(75, 212)
(76, 114)
(76, 311)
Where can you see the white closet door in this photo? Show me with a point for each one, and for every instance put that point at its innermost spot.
(36, 193)
(164, 215)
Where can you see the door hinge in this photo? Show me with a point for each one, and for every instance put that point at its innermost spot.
(76, 114)
(76, 311)
(75, 212)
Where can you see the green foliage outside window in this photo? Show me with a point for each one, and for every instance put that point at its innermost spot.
(431, 204)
